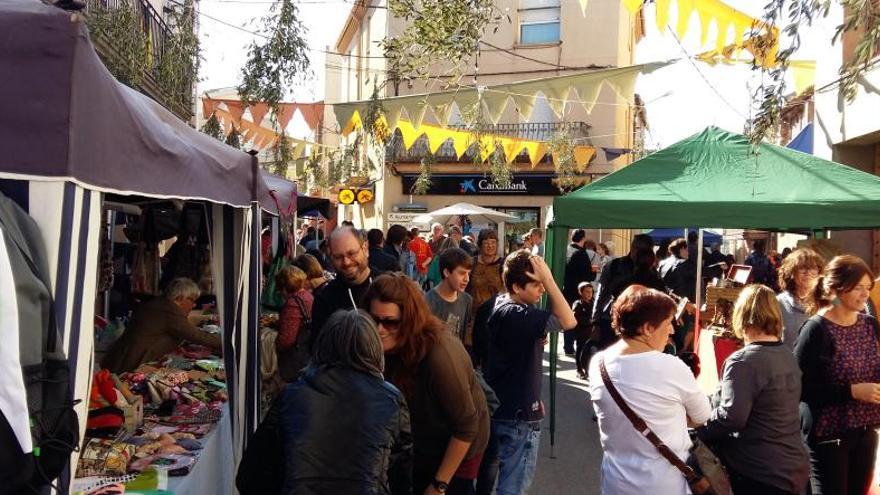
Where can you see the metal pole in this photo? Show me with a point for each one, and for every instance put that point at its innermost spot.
(699, 291)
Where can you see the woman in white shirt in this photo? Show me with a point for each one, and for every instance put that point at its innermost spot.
(658, 387)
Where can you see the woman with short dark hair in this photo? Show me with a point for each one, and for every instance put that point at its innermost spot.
(340, 428)
(756, 411)
(659, 387)
(838, 356)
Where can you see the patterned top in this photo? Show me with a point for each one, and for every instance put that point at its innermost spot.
(856, 360)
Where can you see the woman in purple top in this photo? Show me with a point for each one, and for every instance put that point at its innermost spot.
(837, 351)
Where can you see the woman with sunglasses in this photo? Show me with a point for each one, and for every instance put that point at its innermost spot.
(450, 419)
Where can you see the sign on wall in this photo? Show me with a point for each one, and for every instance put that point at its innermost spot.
(476, 184)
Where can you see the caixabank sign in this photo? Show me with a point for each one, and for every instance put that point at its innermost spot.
(452, 185)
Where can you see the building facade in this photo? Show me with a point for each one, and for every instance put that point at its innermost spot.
(848, 132)
(544, 38)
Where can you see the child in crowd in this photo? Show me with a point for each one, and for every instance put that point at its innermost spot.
(448, 300)
(583, 313)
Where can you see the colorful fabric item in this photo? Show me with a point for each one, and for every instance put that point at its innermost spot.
(104, 457)
(856, 360)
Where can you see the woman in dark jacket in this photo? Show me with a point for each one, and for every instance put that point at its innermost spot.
(340, 429)
(450, 417)
(756, 407)
(838, 356)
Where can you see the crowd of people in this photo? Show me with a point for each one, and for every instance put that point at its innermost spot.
(417, 368)
(455, 333)
(797, 406)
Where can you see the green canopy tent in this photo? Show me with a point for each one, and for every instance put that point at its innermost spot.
(715, 178)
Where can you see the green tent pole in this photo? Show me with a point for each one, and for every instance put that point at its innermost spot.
(555, 246)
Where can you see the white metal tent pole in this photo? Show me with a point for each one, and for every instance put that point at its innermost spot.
(501, 239)
(699, 295)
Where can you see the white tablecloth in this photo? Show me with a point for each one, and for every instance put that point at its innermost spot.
(214, 471)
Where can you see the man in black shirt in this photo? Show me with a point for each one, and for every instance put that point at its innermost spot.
(348, 253)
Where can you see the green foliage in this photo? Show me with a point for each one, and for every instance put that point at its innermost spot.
(122, 30)
(282, 154)
(315, 172)
(213, 128)
(234, 138)
(423, 181)
(178, 66)
(862, 16)
(278, 61)
(496, 166)
(437, 31)
(561, 147)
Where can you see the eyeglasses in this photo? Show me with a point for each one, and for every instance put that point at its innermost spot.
(350, 255)
(812, 273)
(389, 323)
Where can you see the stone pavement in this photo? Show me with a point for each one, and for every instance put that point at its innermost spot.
(575, 470)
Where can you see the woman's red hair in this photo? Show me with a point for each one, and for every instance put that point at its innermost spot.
(419, 328)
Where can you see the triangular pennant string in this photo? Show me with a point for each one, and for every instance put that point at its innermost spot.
(208, 107)
(312, 114)
(685, 9)
(236, 110)
(583, 155)
(525, 104)
(583, 6)
(285, 113)
(258, 111)
(496, 103)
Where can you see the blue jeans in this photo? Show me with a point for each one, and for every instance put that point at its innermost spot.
(518, 443)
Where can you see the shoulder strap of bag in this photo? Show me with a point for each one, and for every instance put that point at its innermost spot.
(642, 427)
(306, 317)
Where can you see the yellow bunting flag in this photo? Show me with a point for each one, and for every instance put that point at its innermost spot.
(557, 91)
(724, 16)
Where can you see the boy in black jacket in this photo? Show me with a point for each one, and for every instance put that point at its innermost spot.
(583, 313)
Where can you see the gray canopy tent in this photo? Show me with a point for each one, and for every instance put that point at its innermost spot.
(70, 134)
(716, 178)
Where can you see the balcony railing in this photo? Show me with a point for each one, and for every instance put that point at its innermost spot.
(534, 131)
(159, 34)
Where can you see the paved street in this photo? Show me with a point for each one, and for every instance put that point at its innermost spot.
(575, 470)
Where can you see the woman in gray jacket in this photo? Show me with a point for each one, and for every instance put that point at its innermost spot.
(797, 277)
(757, 401)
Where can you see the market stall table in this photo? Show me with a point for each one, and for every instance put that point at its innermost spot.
(215, 467)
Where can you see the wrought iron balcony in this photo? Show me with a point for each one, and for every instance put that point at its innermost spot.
(535, 131)
(158, 35)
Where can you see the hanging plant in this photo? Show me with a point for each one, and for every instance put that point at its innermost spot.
(179, 62)
(277, 62)
(861, 17)
(213, 128)
(499, 170)
(423, 181)
(122, 29)
(282, 155)
(315, 172)
(561, 148)
(438, 31)
(234, 138)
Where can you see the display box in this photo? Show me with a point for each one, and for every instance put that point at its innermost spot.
(134, 414)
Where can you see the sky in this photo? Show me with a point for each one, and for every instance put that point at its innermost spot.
(681, 99)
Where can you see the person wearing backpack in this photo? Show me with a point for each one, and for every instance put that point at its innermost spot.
(294, 323)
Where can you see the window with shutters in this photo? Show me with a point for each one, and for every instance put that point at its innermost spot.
(539, 22)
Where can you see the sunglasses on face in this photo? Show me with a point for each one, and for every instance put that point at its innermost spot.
(388, 323)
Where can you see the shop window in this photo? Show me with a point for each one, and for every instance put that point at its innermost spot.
(539, 22)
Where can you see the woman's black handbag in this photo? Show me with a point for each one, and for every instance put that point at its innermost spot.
(707, 477)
